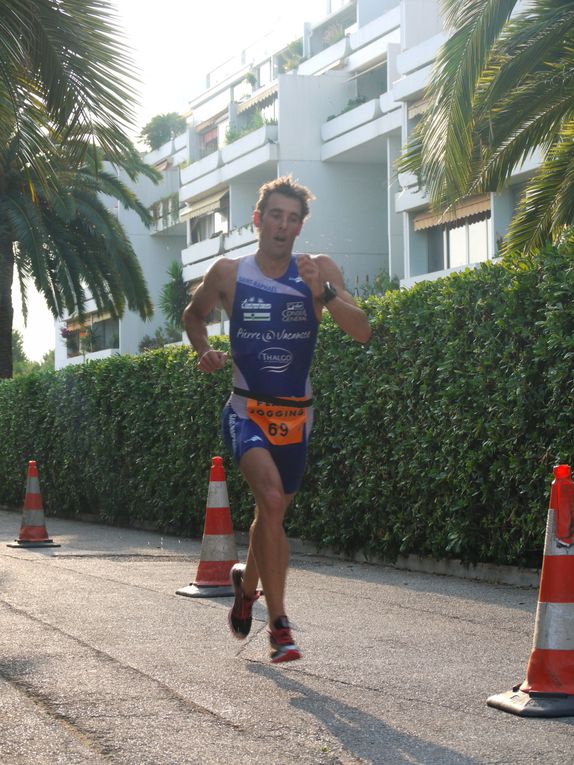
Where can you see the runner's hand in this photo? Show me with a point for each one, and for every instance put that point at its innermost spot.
(212, 360)
(310, 273)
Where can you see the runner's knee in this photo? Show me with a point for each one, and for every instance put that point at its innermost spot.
(272, 505)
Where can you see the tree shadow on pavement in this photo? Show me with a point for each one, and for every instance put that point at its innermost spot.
(363, 735)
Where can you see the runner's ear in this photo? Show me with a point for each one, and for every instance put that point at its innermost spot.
(256, 218)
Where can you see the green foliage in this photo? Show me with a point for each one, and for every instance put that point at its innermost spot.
(22, 365)
(352, 103)
(162, 336)
(255, 121)
(291, 57)
(378, 286)
(128, 439)
(438, 438)
(162, 128)
(173, 297)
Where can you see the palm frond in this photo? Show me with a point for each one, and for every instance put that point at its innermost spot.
(547, 205)
(444, 147)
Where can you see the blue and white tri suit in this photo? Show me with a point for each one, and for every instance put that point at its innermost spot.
(273, 331)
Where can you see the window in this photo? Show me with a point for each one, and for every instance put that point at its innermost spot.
(460, 244)
(211, 224)
(208, 142)
(94, 335)
(265, 73)
(468, 243)
(105, 334)
(463, 240)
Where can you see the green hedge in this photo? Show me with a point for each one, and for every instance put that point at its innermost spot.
(437, 438)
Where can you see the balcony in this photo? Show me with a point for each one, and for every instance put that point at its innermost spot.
(249, 143)
(329, 58)
(351, 119)
(239, 237)
(376, 29)
(200, 168)
(201, 251)
(359, 135)
(251, 151)
(370, 44)
(199, 257)
(416, 65)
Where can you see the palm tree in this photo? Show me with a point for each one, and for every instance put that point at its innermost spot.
(68, 57)
(62, 235)
(66, 101)
(503, 87)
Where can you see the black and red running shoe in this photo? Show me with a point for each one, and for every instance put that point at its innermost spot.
(240, 614)
(283, 647)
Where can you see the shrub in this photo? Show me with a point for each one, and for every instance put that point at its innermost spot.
(437, 438)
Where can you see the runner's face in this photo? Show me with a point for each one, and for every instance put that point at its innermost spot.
(279, 225)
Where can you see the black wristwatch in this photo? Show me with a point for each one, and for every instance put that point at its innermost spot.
(329, 292)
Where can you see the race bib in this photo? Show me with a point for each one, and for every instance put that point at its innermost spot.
(281, 424)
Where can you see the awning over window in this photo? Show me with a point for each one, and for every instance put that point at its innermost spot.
(202, 206)
(469, 208)
(258, 98)
(416, 108)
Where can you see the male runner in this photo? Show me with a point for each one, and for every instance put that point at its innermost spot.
(275, 301)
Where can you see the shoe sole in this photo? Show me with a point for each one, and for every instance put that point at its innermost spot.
(291, 655)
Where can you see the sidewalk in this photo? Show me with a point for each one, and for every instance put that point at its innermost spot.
(101, 662)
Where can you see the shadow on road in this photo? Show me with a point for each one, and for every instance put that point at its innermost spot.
(363, 735)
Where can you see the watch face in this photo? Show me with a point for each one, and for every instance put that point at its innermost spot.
(329, 292)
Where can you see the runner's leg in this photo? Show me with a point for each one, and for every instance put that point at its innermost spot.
(268, 555)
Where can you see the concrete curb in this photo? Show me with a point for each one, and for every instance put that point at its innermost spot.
(481, 572)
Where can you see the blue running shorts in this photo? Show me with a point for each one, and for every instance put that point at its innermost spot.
(242, 434)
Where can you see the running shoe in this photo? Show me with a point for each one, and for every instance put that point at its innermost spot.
(283, 647)
(240, 614)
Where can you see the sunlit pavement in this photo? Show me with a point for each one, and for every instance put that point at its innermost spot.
(101, 662)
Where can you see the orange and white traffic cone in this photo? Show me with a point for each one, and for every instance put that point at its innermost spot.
(218, 550)
(33, 532)
(548, 690)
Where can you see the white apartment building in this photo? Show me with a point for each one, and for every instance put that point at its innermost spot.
(333, 108)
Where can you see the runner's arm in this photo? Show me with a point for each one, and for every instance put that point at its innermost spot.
(205, 298)
(346, 313)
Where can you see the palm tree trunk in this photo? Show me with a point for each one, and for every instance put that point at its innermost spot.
(6, 307)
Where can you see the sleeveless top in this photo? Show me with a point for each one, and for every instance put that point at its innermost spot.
(272, 331)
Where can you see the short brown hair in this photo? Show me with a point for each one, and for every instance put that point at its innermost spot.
(289, 188)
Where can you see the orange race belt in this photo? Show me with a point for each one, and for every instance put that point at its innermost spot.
(282, 419)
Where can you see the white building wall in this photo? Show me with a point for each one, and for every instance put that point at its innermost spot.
(242, 198)
(305, 102)
(369, 10)
(155, 253)
(420, 20)
(349, 216)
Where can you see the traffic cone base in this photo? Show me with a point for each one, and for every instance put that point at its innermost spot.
(23, 543)
(533, 704)
(205, 591)
(218, 550)
(33, 532)
(548, 690)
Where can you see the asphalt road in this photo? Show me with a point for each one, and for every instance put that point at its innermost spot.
(101, 662)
